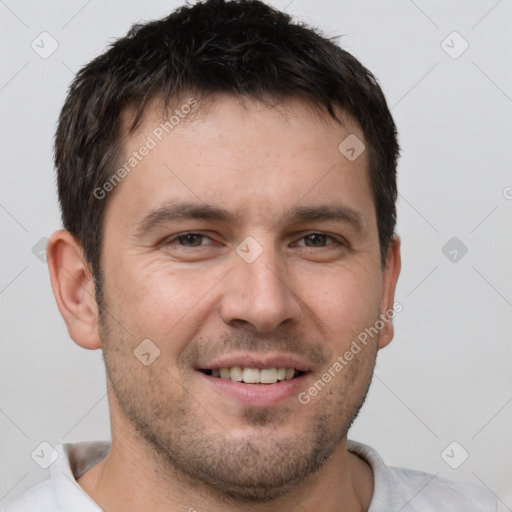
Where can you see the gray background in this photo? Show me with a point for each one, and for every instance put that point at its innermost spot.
(446, 377)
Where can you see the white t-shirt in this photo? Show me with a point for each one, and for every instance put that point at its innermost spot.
(395, 489)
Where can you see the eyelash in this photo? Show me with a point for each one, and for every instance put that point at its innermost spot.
(336, 241)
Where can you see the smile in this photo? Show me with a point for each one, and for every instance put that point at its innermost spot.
(250, 375)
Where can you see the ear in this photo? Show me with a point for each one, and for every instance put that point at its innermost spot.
(389, 279)
(73, 287)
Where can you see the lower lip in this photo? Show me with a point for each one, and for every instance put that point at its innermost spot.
(262, 395)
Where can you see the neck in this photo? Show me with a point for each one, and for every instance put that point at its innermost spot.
(133, 477)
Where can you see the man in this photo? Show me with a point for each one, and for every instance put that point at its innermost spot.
(227, 182)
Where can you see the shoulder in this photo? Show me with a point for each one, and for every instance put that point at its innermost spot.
(417, 491)
(61, 491)
(422, 491)
(37, 498)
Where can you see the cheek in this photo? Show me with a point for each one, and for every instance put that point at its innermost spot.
(344, 302)
(158, 302)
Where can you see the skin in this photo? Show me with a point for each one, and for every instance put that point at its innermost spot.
(178, 443)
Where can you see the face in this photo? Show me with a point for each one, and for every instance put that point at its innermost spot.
(244, 249)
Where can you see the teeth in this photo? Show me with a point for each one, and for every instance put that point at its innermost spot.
(236, 373)
(268, 376)
(254, 375)
(251, 375)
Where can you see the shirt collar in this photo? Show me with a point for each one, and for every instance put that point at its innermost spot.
(381, 499)
(73, 460)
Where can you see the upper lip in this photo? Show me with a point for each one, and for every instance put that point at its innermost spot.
(260, 361)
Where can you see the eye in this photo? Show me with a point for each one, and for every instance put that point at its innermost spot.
(319, 240)
(189, 240)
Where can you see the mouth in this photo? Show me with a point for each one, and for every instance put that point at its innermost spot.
(255, 379)
(250, 375)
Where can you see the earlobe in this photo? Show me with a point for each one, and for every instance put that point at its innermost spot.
(389, 280)
(73, 287)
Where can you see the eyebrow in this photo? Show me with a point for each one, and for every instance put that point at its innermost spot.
(176, 211)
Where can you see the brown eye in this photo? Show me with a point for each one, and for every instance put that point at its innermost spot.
(190, 239)
(319, 240)
(316, 240)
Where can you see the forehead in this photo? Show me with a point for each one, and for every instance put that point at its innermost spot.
(249, 156)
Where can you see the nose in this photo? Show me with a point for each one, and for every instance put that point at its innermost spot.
(259, 293)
